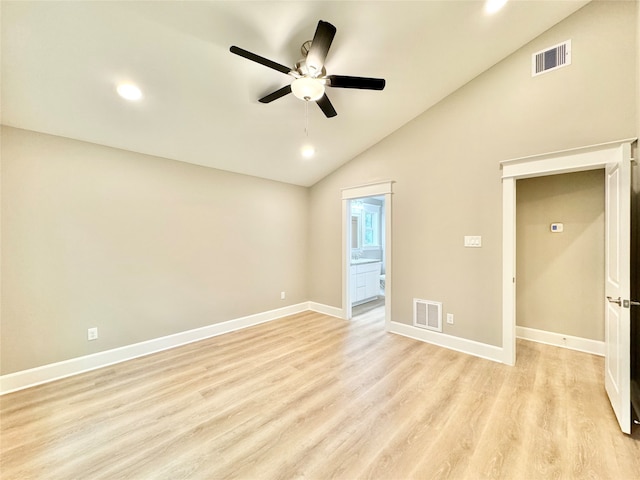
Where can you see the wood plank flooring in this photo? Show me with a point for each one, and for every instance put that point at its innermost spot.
(315, 397)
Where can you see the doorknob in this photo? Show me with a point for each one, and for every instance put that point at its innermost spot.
(615, 300)
(628, 303)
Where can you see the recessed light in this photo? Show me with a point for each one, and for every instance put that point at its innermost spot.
(492, 6)
(129, 91)
(308, 151)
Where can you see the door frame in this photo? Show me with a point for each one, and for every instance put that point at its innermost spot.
(566, 161)
(350, 193)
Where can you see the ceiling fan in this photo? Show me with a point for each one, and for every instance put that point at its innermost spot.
(310, 76)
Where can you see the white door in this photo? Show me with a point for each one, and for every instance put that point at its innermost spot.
(617, 286)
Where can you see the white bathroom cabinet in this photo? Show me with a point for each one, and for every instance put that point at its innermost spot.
(365, 282)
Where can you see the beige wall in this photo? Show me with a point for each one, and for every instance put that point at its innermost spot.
(560, 276)
(138, 246)
(446, 165)
(143, 247)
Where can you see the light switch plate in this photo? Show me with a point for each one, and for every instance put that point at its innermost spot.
(473, 241)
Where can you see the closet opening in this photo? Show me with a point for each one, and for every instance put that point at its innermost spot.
(560, 235)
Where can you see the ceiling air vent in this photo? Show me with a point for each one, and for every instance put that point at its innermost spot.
(427, 314)
(551, 58)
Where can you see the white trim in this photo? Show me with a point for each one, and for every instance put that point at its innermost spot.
(509, 270)
(56, 371)
(367, 190)
(574, 160)
(594, 347)
(458, 344)
(346, 257)
(563, 161)
(388, 264)
(326, 309)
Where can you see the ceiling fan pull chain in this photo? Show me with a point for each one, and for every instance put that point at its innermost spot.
(306, 118)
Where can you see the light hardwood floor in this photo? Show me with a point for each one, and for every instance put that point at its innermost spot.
(311, 396)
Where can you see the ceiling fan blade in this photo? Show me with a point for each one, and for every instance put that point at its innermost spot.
(276, 95)
(258, 59)
(320, 46)
(325, 105)
(342, 81)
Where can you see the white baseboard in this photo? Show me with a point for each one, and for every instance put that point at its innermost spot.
(594, 347)
(326, 309)
(458, 344)
(55, 371)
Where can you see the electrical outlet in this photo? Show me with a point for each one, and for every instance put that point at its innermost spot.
(92, 333)
(282, 295)
(450, 318)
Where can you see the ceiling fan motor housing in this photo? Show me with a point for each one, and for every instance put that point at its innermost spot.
(305, 71)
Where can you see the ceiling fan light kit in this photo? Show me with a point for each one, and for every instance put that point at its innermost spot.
(310, 76)
(308, 88)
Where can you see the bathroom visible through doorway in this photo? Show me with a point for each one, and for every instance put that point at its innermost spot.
(367, 272)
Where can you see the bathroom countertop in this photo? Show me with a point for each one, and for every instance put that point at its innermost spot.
(361, 261)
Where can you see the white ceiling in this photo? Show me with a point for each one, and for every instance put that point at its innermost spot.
(61, 62)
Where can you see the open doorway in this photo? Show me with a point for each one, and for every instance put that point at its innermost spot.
(560, 235)
(366, 250)
(615, 158)
(367, 269)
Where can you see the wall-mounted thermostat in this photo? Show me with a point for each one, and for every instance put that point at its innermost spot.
(557, 227)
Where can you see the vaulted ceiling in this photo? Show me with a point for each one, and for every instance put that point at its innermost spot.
(62, 61)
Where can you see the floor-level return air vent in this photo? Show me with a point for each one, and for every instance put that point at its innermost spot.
(551, 58)
(427, 314)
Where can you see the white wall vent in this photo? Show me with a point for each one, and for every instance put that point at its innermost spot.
(427, 314)
(551, 58)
